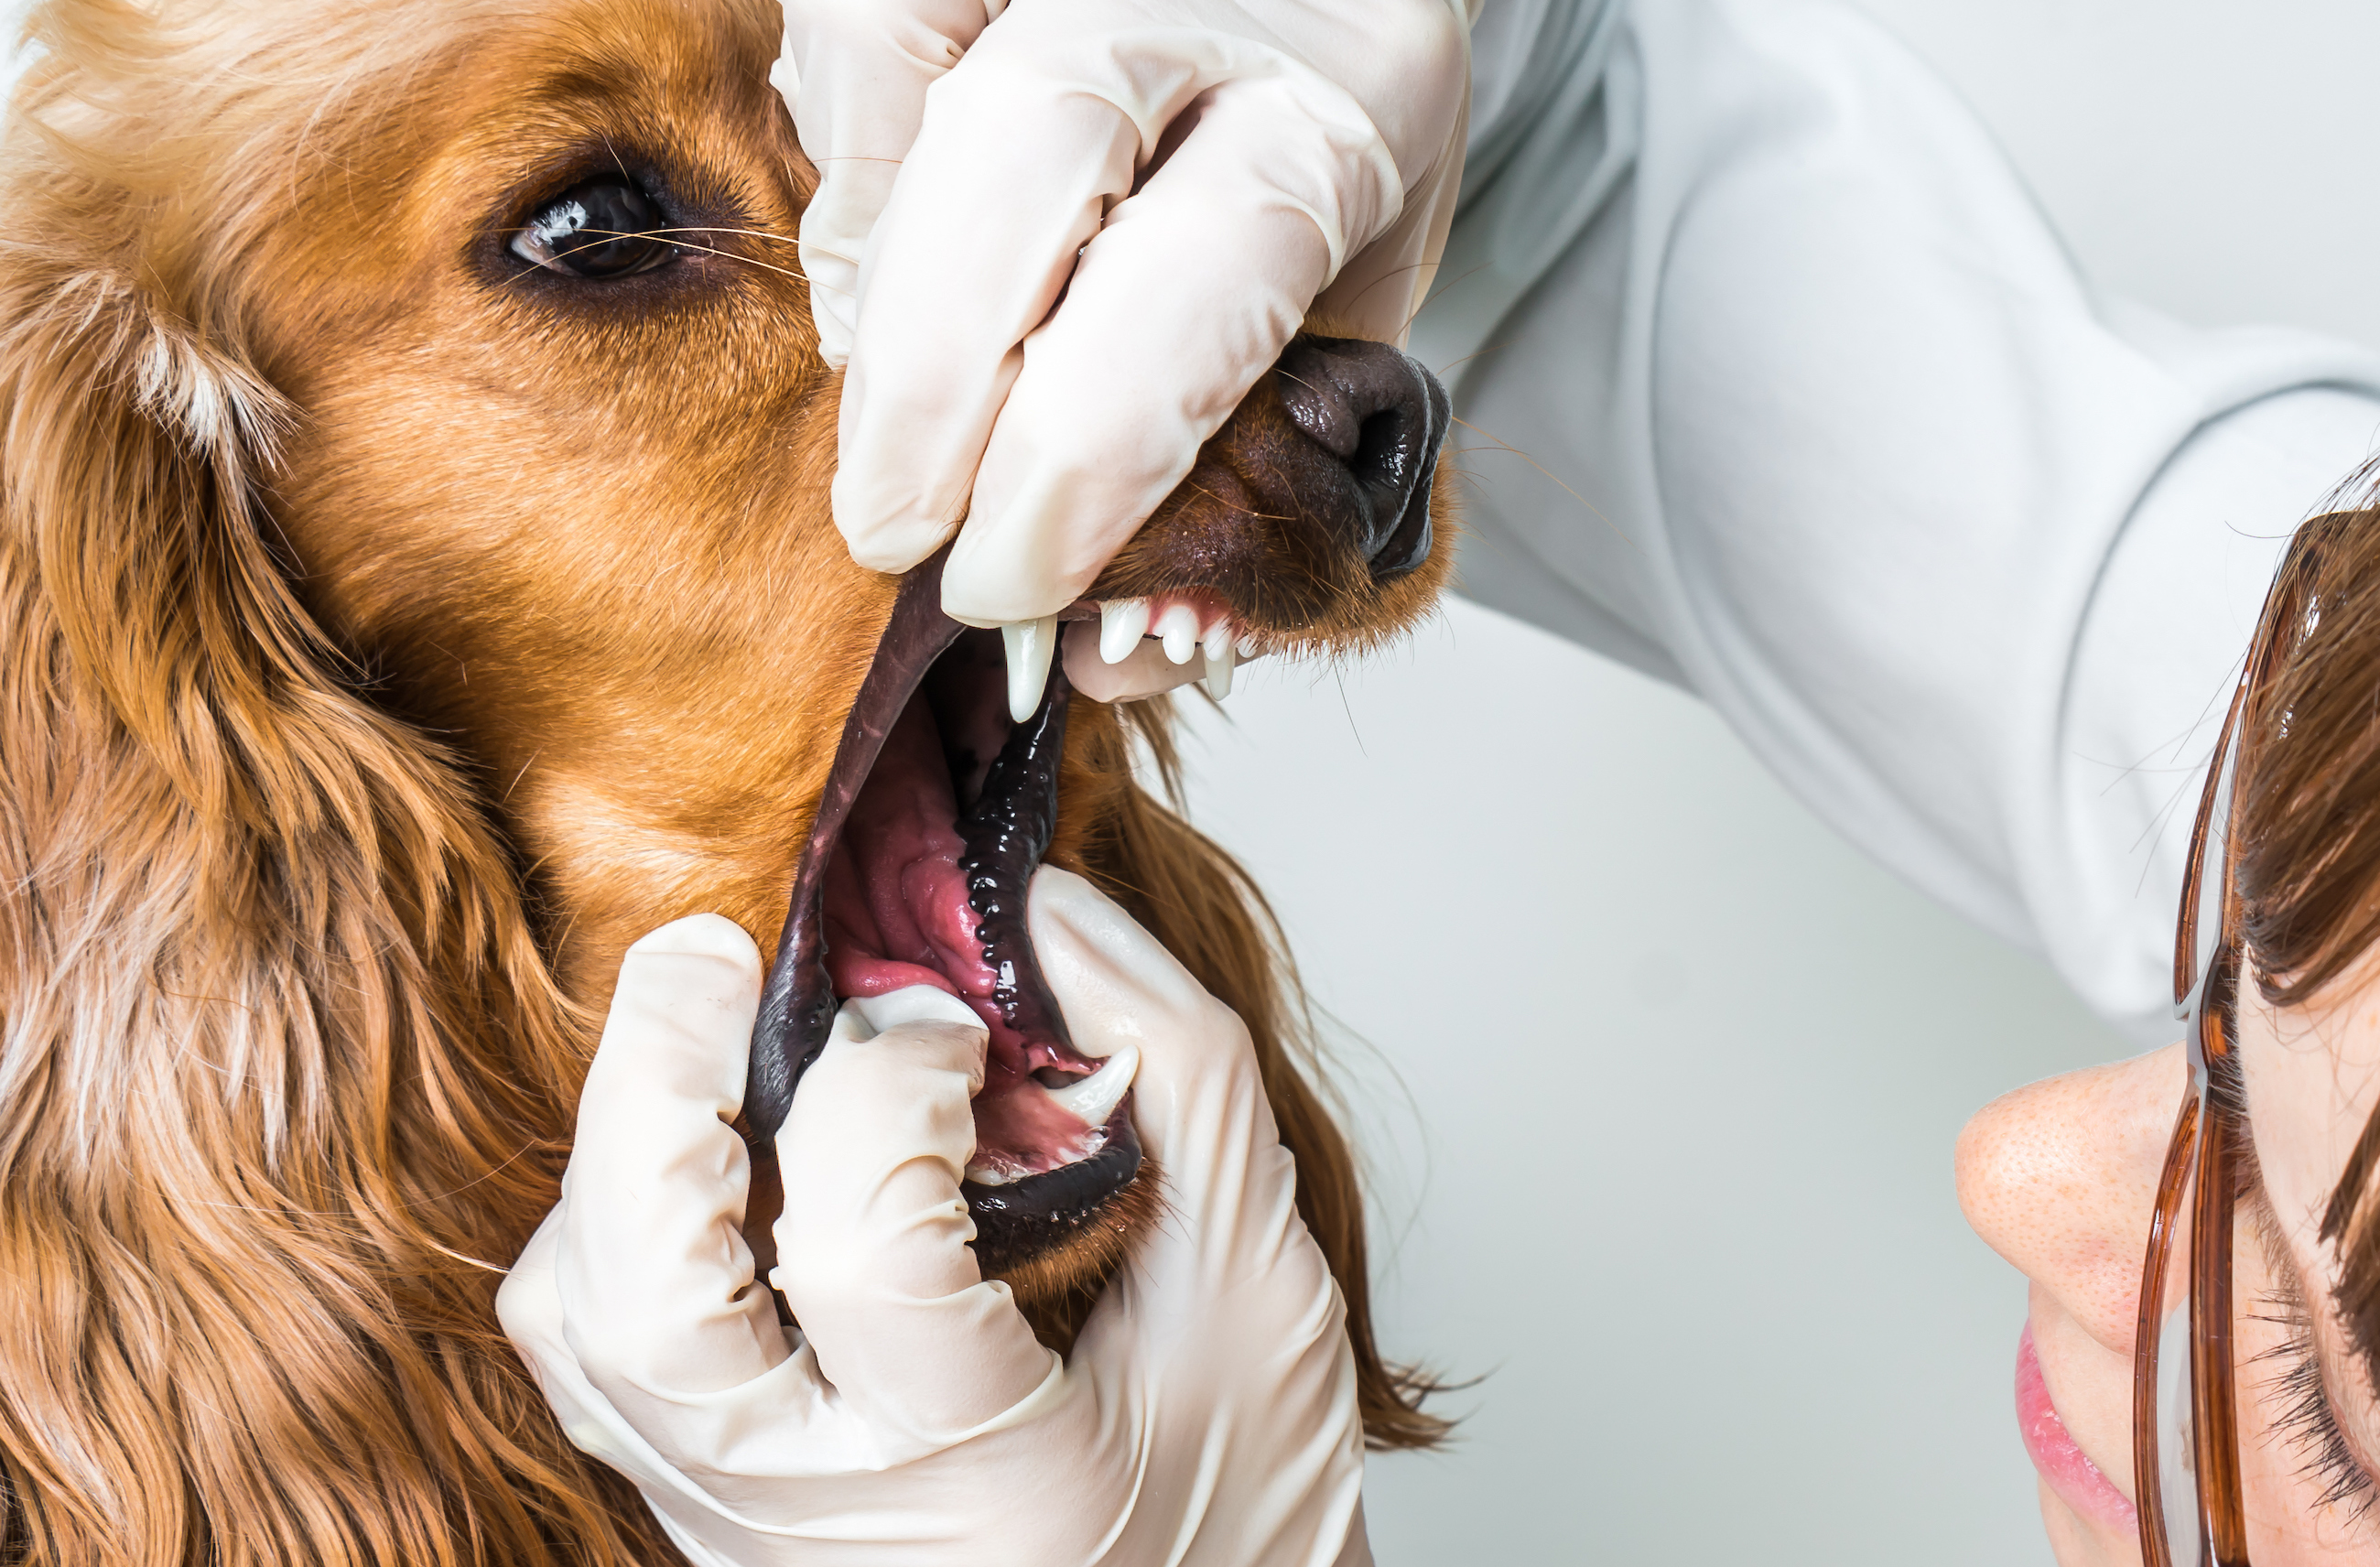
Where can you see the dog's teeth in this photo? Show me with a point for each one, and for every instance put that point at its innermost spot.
(1093, 1099)
(1218, 639)
(1218, 673)
(985, 1176)
(1248, 646)
(1179, 629)
(1123, 623)
(1029, 644)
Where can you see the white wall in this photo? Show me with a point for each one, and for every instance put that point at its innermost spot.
(1659, 1079)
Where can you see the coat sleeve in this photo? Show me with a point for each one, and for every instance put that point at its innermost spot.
(1781, 389)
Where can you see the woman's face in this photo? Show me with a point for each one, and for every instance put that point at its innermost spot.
(2059, 1177)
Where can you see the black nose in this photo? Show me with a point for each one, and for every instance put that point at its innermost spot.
(1385, 417)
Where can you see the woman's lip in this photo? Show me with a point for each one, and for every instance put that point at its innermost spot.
(2054, 1451)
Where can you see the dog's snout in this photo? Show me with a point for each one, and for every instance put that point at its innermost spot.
(1384, 417)
(1309, 512)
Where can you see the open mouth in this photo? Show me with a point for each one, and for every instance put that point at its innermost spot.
(943, 791)
(936, 812)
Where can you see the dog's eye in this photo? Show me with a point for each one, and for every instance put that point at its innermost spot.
(604, 228)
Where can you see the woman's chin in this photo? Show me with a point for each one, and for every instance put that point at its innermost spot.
(2078, 1541)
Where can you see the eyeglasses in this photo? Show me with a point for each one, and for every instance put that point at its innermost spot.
(2185, 1403)
(2186, 1433)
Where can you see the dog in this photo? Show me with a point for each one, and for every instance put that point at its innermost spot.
(421, 582)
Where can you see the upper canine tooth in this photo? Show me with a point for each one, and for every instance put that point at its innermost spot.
(1029, 644)
(1179, 626)
(1218, 673)
(1093, 1099)
(1123, 623)
(1218, 637)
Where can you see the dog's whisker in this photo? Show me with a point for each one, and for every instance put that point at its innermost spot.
(1267, 516)
(616, 162)
(717, 228)
(1503, 444)
(1437, 290)
(1475, 353)
(518, 776)
(604, 235)
(1397, 271)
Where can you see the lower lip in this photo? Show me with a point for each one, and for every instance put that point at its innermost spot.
(2078, 1481)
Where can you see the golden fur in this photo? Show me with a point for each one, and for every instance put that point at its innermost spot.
(386, 640)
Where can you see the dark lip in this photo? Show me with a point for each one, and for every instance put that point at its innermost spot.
(797, 1004)
(1016, 1222)
(1005, 835)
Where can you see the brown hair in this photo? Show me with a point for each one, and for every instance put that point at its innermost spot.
(2305, 823)
(1197, 899)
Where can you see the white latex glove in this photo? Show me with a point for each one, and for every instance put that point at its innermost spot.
(980, 158)
(1207, 1417)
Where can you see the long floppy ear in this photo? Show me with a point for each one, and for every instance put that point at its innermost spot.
(284, 1084)
(1195, 898)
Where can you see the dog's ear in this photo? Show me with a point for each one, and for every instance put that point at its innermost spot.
(284, 1084)
(1196, 899)
(134, 449)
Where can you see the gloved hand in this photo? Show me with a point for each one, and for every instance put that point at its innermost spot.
(1206, 1414)
(1191, 175)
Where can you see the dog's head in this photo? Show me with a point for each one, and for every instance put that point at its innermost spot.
(421, 582)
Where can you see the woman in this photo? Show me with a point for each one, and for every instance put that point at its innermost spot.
(1944, 536)
(2279, 1094)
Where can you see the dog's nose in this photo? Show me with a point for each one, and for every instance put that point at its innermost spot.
(1384, 417)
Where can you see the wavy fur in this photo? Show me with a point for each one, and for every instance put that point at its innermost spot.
(293, 1031)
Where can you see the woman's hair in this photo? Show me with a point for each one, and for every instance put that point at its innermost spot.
(2305, 822)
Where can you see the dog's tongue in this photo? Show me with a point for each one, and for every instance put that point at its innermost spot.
(897, 914)
(896, 904)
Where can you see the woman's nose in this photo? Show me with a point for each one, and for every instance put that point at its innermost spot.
(2058, 1177)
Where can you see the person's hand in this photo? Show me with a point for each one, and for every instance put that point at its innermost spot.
(1191, 176)
(1207, 1415)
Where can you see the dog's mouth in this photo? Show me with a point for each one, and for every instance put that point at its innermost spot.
(937, 810)
(1309, 515)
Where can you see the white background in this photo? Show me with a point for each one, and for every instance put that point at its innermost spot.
(1657, 1078)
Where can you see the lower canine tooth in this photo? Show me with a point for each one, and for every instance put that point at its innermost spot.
(1123, 623)
(1178, 626)
(1218, 673)
(985, 1176)
(1029, 644)
(1093, 1099)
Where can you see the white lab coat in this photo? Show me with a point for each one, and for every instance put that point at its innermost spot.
(1820, 423)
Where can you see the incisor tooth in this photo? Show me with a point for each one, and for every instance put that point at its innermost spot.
(1179, 629)
(1123, 623)
(985, 1176)
(1218, 673)
(1029, 644)
(1093, 1099)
